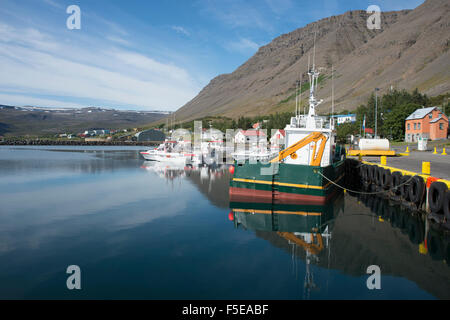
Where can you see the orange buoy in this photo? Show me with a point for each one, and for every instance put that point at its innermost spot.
(231, 216)
(231, 169)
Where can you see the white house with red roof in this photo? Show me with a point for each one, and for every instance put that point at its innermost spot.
(248, 136)
(278, 137)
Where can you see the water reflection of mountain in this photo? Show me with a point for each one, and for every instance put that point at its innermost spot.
(80, 161)
(393, 239)
(369, 231)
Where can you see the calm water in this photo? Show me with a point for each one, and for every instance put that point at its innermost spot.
(138, 230)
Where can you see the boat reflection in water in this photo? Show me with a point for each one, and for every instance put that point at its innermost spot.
(307, 229)
(349, 234)
(211, 180)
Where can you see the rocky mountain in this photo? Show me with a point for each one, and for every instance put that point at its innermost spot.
(48, 121)
(409, 51)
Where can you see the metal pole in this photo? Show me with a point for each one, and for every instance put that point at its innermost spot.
(376, 110)
(376, 105)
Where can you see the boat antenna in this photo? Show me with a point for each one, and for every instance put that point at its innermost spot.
(332, 90)
(309, 58)
(300, 99)
(314, 51)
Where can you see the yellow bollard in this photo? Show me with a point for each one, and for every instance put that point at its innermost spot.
(444, 153)
(426, 168)
(407, 149)
(383, 160)
(435, 151)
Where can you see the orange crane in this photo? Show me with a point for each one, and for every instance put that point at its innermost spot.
(313, 137)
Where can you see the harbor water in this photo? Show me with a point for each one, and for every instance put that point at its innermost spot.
(143, 230)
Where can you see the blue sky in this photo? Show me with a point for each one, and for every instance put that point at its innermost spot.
(141, 55)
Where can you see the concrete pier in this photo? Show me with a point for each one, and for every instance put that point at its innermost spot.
(439, 164)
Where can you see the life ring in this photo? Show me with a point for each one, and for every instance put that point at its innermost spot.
(416, 190)
(386, 179)
(447, 205)
(404, 188)
(396, 181)
(436, 196)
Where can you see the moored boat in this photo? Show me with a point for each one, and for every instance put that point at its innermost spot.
(308, 170)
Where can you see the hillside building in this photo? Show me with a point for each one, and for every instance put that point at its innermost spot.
(426, 123)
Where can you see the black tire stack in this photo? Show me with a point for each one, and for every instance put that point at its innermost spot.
(439, 199)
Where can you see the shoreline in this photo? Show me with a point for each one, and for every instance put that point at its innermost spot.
(44, 142)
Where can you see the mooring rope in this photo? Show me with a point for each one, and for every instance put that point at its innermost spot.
(361, 192)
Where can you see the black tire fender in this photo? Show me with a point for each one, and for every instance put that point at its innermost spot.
(396, 181)
(436, 196)
(446, 205)
(386, 180)
(404, 188)
(417, 190)
(379, 176)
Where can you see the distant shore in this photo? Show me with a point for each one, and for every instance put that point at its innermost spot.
(49, 142)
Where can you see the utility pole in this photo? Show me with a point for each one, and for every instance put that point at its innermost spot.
(376, 110)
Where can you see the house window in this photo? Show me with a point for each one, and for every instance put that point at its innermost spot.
(415, 126)
(430, 115)
(441, 126)
(409, 127)
(418, 126)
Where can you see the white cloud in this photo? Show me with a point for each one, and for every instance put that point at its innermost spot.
(243, 45)
(53, 3)
(37, 63)
(118, 40)
(182, 30)
(238, 14)
(18, 100)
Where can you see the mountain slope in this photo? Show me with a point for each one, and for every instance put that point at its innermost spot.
(410, 50)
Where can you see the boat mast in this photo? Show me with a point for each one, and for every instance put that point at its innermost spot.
(332, 98)
(313, 77)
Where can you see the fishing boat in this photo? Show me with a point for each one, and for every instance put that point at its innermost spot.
(308, 170)
(171, 152)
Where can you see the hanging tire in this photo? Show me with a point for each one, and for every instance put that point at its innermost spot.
(396, 181)
(386, 179)
(404, 188)
(446, 205)
(362, 170)
(414, 231)
(416, 190)
(367, 173)
(435, 246)
(373, 174)
(436, 196)
(379, 176)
